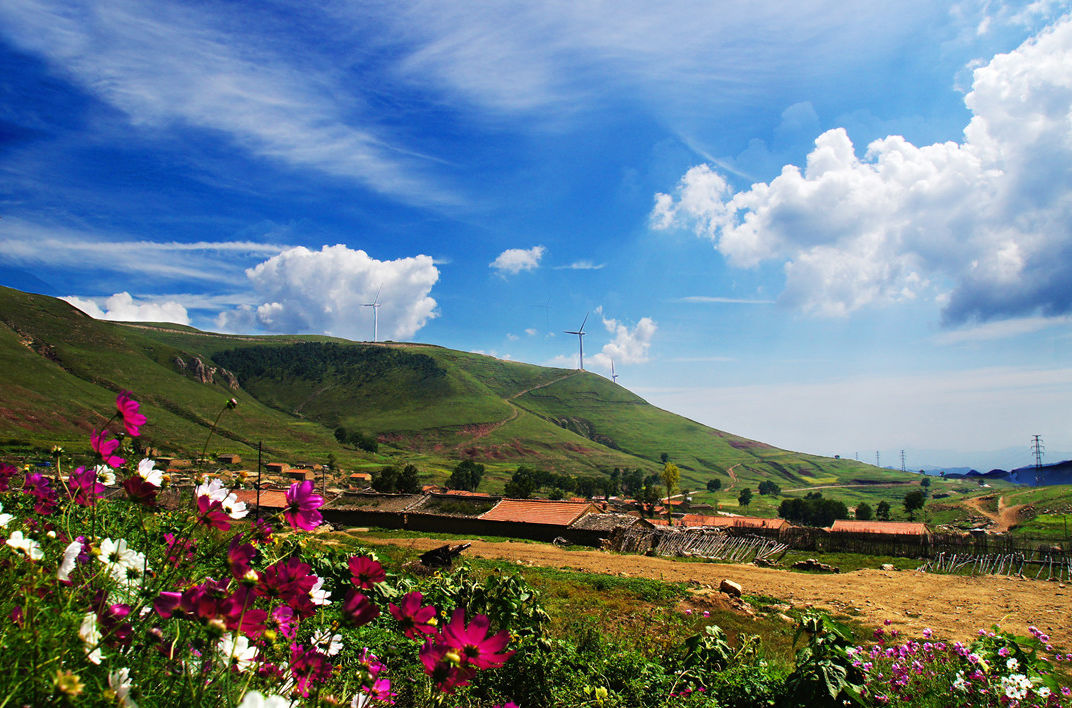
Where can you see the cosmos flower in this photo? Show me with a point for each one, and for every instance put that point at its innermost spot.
(83, 487)
(302, 505)
(414, 618)
(358, 609)
(366, 572)
(473, 642)
(128, 409)
(106, 448)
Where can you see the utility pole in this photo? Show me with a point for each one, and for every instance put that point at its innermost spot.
(1037, 448)
(260, 468)
(902, 462)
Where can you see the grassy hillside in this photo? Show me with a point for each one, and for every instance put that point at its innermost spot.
(60, 369)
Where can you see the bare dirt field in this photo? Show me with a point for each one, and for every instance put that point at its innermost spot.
(955, 607)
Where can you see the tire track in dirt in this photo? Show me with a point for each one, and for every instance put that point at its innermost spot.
(954, 606)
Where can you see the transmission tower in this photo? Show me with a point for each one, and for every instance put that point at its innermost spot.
(877, 463)
(902, 462)
(1037, 448)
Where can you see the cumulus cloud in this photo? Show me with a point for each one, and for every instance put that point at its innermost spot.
(981, 225)
(325, 291)
(627, 345)
(514, 260)
(122, 307)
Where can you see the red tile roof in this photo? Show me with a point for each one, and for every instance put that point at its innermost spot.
(538, 511)
(748, 522)
(270, 498)
(895, 528)
(465, 493)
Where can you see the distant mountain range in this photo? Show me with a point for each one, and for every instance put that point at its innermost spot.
(60, 371)
(1055, 473)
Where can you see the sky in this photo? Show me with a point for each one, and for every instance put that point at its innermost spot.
(836, 228)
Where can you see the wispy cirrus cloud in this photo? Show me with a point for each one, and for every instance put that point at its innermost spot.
(711, 299)
(582, 265)
(172, 66)
(26, 242)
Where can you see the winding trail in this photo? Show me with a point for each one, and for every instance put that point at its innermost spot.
(1006, 517)
(733, 477)
(480, 430)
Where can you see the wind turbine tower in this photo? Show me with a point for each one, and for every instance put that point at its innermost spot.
(580, 339)
(375, 305)
(613, 376)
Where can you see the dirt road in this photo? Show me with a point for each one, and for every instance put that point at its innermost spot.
(954, 607)
(1003, 520)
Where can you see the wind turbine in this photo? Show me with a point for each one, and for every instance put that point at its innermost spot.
(580, 338)
(375, 305)
(613, 376)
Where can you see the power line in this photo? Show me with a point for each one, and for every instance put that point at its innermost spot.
(1037, 448)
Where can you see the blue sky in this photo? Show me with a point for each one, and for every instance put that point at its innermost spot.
(836, 229)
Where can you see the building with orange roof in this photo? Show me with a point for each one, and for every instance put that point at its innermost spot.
(539, 511)
(881, 528)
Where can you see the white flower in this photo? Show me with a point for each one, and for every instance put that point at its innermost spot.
(91, 637)
(328, 643)
(960, 684)
(151, 475)
(237, 652)
(254, 699)
(213, 489)
(1015, 686)
(27, 545)
(105, 475)
(318, 595)
(5, 519)
(1012, 664)
(70, 556)
(234, 508)
(119, 681)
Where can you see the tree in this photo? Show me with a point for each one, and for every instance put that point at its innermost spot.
(882, 511)
(664, 458)
(767, 487)
(713, 485)
(670, 477)
(913, 502)
(745, 497)
(813, 510)
(466, 475)
(408, 480)
(386, 480)
(522, 484)
(926, 484)
(864, 512)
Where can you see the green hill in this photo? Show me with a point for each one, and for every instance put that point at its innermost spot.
(60, 371)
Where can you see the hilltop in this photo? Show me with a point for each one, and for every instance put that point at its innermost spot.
(59, 369)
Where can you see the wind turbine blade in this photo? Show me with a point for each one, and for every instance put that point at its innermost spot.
(585, 320)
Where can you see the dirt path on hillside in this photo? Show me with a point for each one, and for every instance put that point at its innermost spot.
(955, 607)
(479, 431)
(1005, 518)
(733, 477)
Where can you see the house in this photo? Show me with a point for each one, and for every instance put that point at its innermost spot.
(881, 528)
(539, 511)
(228, 459)
(360, 479)
(276, 467)
(609, 522)
(300, 475)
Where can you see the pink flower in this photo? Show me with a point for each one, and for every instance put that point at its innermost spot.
(413, 618)
(179, 550)
(473, 642)
(141, 491)
(239, 614)
(290, 581)
(366, 572)
(211, 513)
(6, 473)
(302, 505)
(239, 555)
(83, 487)
(284, 620)
(308, 666)
(128, 408)
(260, 531)
(105, 448)
(444, 666)
(38, 486)
(358, 609)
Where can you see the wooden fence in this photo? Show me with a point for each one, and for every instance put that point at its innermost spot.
(695, 543)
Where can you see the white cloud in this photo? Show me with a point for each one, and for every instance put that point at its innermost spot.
(123, 307)
(531, 331)
(628, 346)
(325, 292)
(1003, 329)
(987, 217)
(582, 265)
(29, 242)
(168, 65)
(710, 299)
(514, 260)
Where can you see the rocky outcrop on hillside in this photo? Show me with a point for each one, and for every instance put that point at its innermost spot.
(199, 371)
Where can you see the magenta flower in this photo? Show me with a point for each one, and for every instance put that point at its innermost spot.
(308, 666)
(6, 473)
(473, 642)
(83, 487)
(141, 491)
(290, 581)
(366, 572)
(358, 609)
(179, 549)
(260, 531)
(166, 603)
(238, 613)
(302, 505)
(414, 618)
(444, 666)
(38, 486)
(128, 408)
(211, 513)
(106, 448)
(284, 620)
(239, 555)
